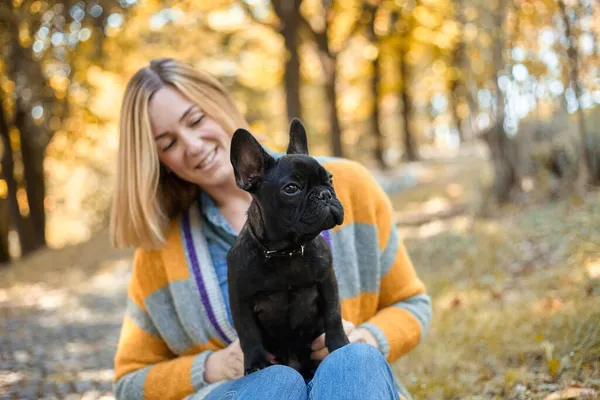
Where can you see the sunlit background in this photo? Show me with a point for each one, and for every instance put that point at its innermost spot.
(408, 78)
(474, 115)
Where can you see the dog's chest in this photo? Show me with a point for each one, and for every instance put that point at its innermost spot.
(287, 310)
(278, 273)
(289, 297)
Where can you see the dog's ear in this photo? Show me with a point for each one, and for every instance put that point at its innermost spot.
(298, 142)
(250, 161)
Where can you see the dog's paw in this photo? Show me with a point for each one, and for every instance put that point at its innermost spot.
(256, 366)
(255, 362)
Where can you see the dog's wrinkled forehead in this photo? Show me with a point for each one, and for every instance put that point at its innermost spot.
(301, 167)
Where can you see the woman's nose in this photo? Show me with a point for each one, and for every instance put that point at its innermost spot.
(193, 145)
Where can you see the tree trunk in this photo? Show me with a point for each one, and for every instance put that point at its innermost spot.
(4, 229)
(505, 173)
(20, 223)
(498, 61)
(376, 115)
(330, 67)
(26, 72)
(32, 152)
(458, 89)
(410, 152)
(455, 95)
(375, 119)
(8, 203)
(584, 164)
(289, 15)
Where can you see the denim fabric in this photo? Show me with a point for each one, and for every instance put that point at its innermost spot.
(357, 371)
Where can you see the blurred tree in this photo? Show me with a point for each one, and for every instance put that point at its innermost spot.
(328, 57)
(288, 25)
(376, 117)
(408, 23)
(288, 12)
(25, 76)
(45, 59)
(11, 213)
(568, 17)
(502, 152)
(4, 230)
(460, 107)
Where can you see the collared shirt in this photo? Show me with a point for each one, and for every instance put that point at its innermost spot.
(220, 236)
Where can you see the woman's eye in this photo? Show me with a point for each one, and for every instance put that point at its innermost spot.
(169, 145)
(197, 120)
(291, 189)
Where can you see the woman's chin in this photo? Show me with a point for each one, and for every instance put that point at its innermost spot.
(218, 176)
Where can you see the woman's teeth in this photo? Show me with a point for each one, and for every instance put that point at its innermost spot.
(208, 159)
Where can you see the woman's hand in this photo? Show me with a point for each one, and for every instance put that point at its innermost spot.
(353, 333)
(227, 363)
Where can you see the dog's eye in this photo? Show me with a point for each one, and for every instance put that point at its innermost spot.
(291, 189)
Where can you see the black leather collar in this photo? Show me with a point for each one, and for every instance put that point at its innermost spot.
(285, 253)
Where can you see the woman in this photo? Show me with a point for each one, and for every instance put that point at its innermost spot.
(178, 204)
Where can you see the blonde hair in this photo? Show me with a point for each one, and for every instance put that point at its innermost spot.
(147, 197)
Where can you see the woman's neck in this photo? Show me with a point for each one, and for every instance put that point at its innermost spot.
(233, 203)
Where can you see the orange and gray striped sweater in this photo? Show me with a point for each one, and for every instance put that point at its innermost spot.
(176, 315)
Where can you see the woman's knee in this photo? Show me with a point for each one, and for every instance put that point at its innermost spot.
(279, 380)
(357, 368)
(282, 373)
(355, 352)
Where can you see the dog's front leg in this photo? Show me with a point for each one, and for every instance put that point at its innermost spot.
(255, 355)
(335, 337)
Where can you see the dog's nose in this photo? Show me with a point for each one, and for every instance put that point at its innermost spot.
(325, 194)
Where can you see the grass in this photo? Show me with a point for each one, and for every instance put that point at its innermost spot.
(516, 312)
(64, 267)
(516, 298)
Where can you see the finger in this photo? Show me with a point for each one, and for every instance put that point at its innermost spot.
(234, 371)
(238, 373)
(318, 343)
(348, 326)
(356, 336)
(319, 354)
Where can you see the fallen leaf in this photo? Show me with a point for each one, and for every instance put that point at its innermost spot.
(549, 304)
(553, 366)
(572, 393)
(539, 337)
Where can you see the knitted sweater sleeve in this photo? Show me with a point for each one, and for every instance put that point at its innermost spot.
(145, 367)
(404, 309)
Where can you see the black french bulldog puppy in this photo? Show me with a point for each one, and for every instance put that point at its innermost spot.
(282, 288)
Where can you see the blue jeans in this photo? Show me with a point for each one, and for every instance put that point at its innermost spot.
(356, 371)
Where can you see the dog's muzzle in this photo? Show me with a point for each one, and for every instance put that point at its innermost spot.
(325, 194)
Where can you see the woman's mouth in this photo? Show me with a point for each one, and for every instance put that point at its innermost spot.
(208, 160)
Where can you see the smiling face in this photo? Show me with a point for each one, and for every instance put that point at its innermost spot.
(189, 143)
